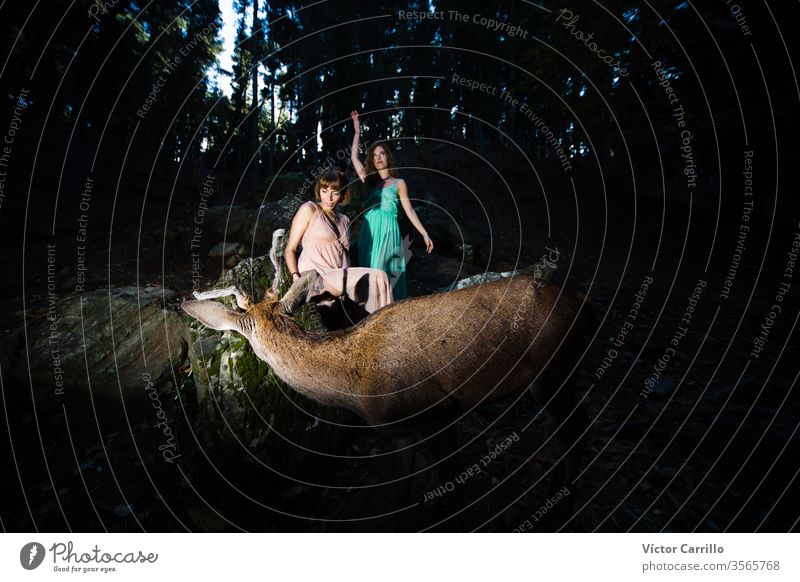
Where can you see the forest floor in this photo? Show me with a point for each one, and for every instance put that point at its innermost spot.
(712, 447)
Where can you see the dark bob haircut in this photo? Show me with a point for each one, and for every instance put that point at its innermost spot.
(333, 178)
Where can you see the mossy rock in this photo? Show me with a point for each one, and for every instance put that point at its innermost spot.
(244, 409)
(101, 346)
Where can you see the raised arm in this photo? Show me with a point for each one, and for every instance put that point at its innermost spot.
(402, 191)
(300, 222)
(359, 167)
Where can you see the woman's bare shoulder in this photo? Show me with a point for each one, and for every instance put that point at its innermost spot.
(308, 207)
(305, 212)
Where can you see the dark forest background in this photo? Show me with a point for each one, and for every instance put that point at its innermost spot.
(88, 77)
(92, 92)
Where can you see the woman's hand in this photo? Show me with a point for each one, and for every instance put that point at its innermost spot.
(357, 165)
(428, 243)
(402, 192)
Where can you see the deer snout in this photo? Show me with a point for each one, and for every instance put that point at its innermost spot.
(211, 314)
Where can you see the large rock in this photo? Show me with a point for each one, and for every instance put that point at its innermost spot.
(237, 224)
(253, 276)
(283, 185)
(121, 337)
(543, 269)
(230, 223)
(280, 212)
(225, 250)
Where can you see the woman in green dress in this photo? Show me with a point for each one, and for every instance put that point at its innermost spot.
(379, 242)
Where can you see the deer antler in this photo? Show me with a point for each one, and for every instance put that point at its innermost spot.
(299, 292)
(275, 254)
(301, 289)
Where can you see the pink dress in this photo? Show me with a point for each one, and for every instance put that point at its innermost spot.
(326, 253)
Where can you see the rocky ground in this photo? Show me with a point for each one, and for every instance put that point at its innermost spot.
(708, 446)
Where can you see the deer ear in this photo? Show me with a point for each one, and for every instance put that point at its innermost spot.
(212, 314)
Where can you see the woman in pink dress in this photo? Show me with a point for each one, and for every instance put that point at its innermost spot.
(324, 234)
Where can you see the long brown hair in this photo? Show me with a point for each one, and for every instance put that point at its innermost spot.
(374, 179)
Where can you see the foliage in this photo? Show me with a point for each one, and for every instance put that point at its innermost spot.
(296, 69)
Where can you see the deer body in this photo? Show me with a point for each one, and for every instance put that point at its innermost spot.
(423, 355)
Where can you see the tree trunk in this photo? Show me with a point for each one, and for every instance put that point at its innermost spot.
(256, 56)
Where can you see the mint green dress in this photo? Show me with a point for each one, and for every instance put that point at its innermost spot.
(379, 242)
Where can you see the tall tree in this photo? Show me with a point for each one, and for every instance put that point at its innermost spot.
(256, 53)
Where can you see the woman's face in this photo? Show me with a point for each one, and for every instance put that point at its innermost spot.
(379, 158)
(328, 197)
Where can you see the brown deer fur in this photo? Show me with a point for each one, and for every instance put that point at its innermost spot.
(428, 356)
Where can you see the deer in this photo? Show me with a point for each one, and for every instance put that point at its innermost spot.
(411, 367)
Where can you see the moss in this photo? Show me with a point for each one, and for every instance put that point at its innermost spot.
(264, 282)
(213, 368)
(249, 369)
(285, 283)
(235, 342)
